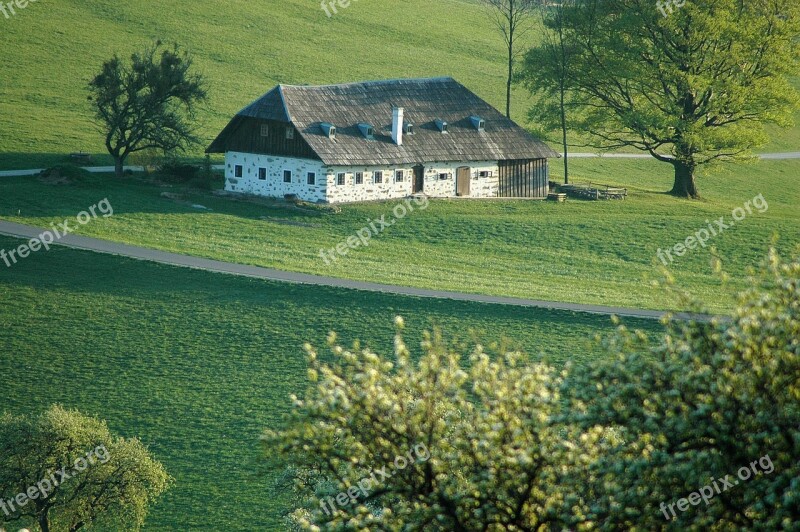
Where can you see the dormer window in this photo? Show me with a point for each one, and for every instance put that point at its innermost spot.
(478, 122)
(367, 130)
(329, 130)
(441, 125)
(408, 128)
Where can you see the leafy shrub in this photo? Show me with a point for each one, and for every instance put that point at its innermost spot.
(706, 401)
(179, 171)
(112, 489)
(68, 174)
(514, 445)
(150, 160)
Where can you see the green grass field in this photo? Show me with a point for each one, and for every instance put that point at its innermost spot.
(580, 251)
(52, 49)
(198, 364)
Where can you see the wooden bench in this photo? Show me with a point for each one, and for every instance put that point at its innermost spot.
(81, 157)
(593, 191)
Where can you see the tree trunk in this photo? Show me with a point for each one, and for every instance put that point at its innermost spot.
(684, 186)
(118, 166)
(510, 77)
(44, 523)
(564, 135)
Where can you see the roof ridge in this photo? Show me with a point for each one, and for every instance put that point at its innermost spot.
(368, 82)
(283, 101)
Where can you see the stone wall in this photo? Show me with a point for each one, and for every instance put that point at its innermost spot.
(274, 185)
(440, 179)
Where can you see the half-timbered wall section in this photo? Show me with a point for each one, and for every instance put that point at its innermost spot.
(266, 137)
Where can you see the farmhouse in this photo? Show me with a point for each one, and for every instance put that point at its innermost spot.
(379, 140)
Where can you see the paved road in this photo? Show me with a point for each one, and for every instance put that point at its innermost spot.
(93, 169)
(785, 155)
(770, 156)
(136, 252)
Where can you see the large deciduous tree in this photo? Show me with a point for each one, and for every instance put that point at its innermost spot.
(712, 401)
(148, 103)
(62, 470)
(517, 445)
(690, 84)
(514, 19)
(552, 105)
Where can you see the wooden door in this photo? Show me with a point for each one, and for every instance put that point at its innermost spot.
(419, 179)
(462, 181)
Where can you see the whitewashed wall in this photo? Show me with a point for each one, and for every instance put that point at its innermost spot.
(327, 189)
(274, 186)
(479, 187)
(368, 190)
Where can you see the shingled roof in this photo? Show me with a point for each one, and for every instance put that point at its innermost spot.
(424, 101)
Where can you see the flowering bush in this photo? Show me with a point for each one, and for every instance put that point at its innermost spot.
(516, 445)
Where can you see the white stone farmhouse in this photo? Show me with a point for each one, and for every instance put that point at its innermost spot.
(380, 140)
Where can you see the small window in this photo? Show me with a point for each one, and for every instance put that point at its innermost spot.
(287, 176)
(237, 170)
(485, 173)
(444, 176)
(399, 176)
(367, 130)
(359, 178)
(377, 177)
(328, 129)
(262, 174)
(289, 133)
(264, 130)
(312, 178)
(340, 179)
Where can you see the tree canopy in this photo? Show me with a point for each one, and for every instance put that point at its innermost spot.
(518, 445)
(514, 20)
(63, 470)
(691, 85)
(148, 103)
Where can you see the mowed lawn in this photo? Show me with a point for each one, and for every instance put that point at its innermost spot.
(581, 251)
(198, 364)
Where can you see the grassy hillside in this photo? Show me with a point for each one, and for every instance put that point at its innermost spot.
(583, 252)
(52, 49)
(198, 364)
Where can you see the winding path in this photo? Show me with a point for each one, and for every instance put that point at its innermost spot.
(188, 261)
